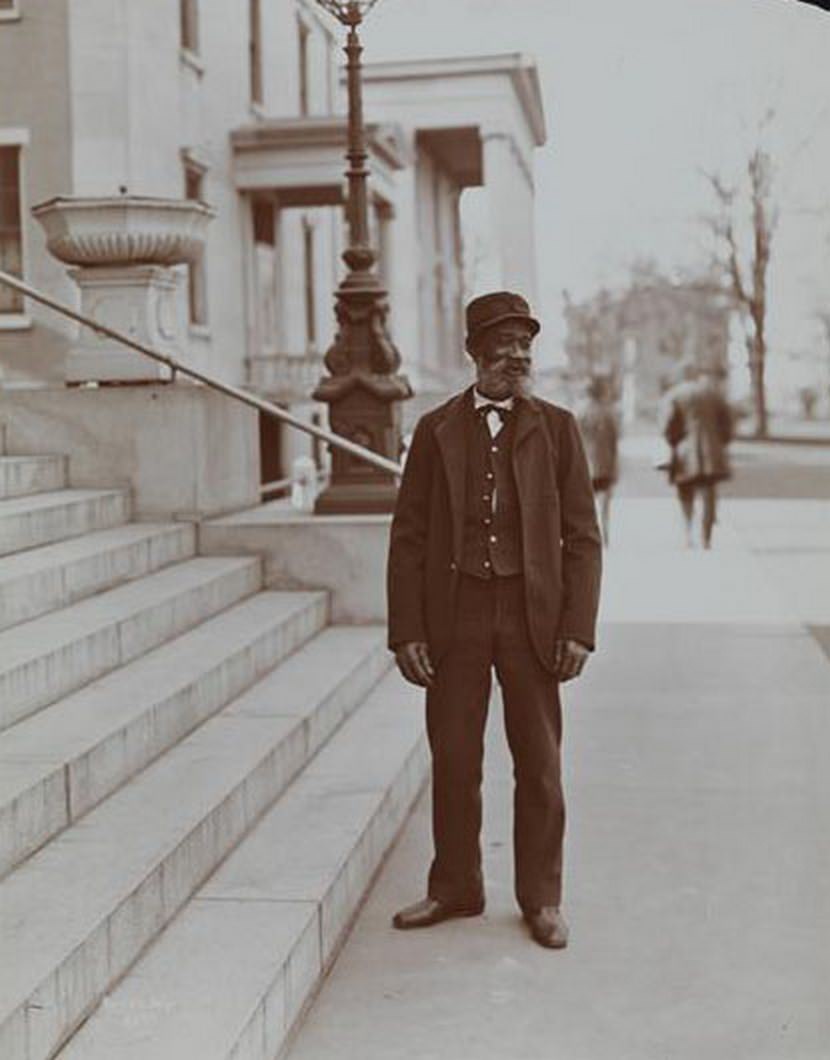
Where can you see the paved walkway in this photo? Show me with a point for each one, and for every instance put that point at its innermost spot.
(698, 851)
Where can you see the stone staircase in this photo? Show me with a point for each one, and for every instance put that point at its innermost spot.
(199, 778)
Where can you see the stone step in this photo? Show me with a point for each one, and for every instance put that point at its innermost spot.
(58, 764)
(77, 914)
(270, 920)
(28, 522)
(57, 653)
(40, 580)
(24, 475)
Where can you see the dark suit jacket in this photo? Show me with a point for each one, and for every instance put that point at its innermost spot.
(560, 538)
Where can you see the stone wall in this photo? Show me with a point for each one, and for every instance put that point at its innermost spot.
(183, 450)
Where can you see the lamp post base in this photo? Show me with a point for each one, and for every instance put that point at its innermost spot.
(357, 498)
(365, 408)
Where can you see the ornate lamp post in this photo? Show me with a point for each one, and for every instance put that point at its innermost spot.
(363, 391)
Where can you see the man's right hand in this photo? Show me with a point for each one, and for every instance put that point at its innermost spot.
(414, 663)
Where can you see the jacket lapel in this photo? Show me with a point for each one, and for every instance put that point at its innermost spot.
(452, 443)
(532, 463)
(527, 421)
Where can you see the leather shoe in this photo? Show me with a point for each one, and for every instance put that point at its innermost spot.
(431, 911)
(547, 926)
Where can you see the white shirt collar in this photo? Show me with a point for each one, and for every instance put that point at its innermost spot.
(480, 400)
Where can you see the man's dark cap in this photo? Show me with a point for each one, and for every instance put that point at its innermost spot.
(490, 309)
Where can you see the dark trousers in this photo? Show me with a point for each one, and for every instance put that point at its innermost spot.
(686, 492)
(491, 631)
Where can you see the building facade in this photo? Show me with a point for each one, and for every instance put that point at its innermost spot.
(240, 104)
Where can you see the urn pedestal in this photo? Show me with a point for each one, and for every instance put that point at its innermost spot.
(124, 251)
(141, 302)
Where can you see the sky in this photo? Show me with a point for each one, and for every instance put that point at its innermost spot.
(641, 96)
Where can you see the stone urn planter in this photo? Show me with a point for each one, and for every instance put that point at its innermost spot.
(122, 250)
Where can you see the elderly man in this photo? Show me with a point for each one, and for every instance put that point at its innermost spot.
(494, 562)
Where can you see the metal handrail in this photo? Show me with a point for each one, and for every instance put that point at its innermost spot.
(283, 485)
(337, 440)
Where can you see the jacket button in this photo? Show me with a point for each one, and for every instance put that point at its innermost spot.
(453, 566)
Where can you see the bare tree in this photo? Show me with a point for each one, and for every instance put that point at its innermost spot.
(743, 263)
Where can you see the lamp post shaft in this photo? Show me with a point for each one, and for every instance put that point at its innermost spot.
(357, 154)
(363, 390)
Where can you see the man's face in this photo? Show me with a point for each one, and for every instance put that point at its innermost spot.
(503, 360)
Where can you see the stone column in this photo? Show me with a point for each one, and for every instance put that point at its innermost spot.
(508, 177)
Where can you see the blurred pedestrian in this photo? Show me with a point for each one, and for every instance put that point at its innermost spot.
(600, 435)
(697, 425)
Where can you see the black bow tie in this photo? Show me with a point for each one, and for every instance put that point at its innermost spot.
(500, 409)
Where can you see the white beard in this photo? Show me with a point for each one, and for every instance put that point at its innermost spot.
(525, 386)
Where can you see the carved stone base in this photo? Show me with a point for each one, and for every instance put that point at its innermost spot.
(138, 300)
(365, 409)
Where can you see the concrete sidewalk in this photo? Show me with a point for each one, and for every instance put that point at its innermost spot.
(697, 752)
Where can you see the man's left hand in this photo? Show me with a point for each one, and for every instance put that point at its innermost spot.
(570, 658)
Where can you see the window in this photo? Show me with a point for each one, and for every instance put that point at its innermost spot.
(9, 9)
(302, 60)
(255, 51)
(189, 17)
(266, 275)
(11, 226)
(308, 278)
(196, 273)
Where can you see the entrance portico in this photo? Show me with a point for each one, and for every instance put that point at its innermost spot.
(473, 125)
(437, 129)
(295, 166)
(290, 173)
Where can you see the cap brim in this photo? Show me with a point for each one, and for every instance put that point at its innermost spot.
(532, 323)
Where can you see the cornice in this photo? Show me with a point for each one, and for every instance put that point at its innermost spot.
(384, 139)
(520, 68)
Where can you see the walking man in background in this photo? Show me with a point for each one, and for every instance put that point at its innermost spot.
(494, 561)
(697, 424)
(600, 434)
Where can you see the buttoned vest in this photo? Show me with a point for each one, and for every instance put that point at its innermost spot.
(492, 533)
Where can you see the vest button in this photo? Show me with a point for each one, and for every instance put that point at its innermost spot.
(487, 563)
(494, 448)
(493, 538)
(489, 474)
